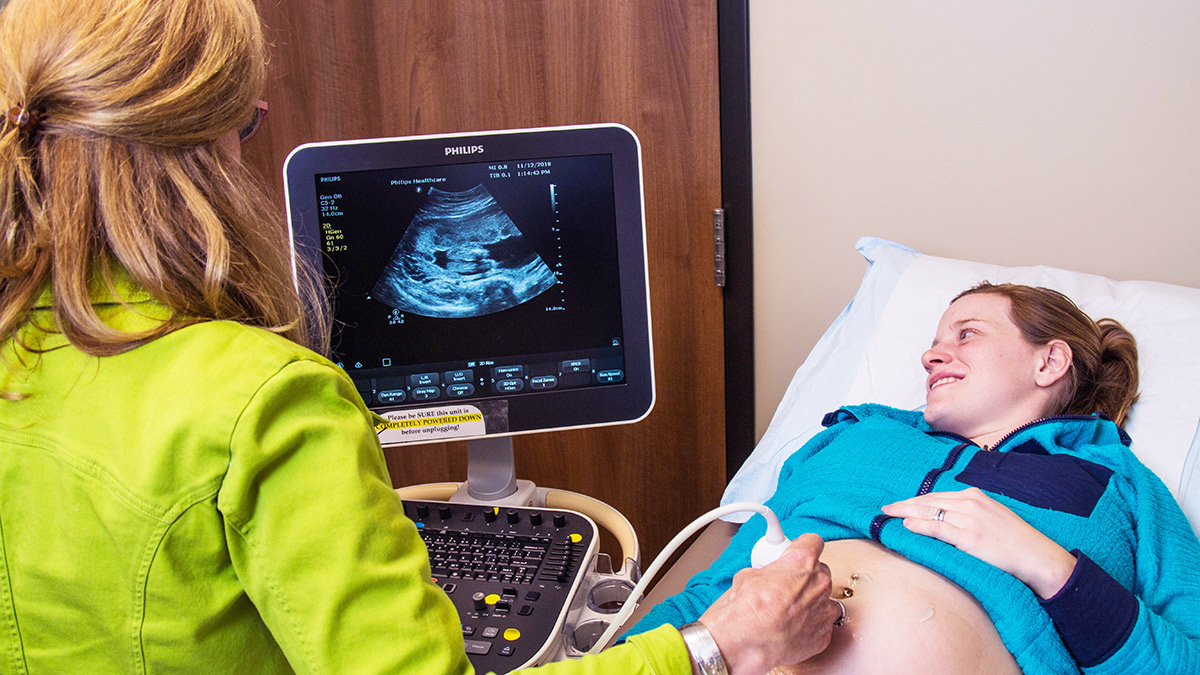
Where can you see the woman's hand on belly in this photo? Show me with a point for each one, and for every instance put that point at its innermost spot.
(974, 523)
(775, 615)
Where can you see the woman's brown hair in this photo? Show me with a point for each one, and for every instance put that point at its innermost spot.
(117, 165)
(1104, 365)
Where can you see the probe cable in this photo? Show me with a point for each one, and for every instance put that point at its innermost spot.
(764, 552)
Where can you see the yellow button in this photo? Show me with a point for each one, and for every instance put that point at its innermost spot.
(576, 538)
(512, 634)
(492, 599)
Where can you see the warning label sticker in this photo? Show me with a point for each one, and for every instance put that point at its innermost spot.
(430, 424)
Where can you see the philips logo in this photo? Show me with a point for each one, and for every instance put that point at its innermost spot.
(464, 150)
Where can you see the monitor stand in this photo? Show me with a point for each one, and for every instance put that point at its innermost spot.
(492, 476)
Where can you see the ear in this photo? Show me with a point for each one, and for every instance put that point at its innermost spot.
(1054, 364)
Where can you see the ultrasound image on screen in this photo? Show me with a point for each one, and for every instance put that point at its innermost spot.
(472, 262)
(462, 256)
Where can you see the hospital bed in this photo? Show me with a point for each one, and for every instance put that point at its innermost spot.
(871, 353)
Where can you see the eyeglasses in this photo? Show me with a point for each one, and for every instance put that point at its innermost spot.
(260, 114)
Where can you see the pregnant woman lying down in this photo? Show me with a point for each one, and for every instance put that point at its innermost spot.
(1008, 528)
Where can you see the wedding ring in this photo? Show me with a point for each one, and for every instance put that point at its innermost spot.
(940, 515)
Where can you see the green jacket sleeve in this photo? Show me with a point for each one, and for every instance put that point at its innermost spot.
(321, 544)
(657, 652)
(319, 540)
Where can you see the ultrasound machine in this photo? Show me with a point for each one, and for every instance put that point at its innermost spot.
(486, 285)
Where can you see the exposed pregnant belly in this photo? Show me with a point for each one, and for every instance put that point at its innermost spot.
(903, 618)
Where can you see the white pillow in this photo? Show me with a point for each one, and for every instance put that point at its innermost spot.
(872, 353)
(1189, 484)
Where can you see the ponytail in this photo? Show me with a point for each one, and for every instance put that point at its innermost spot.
(1111, 385)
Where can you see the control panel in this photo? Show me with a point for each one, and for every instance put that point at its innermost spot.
(511, 573)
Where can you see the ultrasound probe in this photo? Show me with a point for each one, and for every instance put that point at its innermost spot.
(765, 551)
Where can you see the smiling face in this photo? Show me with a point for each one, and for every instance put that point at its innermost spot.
(984, 378)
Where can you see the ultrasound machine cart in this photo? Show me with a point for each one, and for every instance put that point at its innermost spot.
(488, 285)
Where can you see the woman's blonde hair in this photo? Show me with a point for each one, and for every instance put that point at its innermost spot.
(1104, 359)
(120, 167)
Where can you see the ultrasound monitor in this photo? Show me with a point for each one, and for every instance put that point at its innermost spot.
(484, 285)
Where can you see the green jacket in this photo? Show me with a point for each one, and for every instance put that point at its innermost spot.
(216, 501)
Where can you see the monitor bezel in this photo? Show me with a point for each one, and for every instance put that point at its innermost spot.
(566, 409)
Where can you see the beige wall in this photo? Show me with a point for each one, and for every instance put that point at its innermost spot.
(1056, 132)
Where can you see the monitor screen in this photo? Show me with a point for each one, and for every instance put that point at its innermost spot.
(483, 284)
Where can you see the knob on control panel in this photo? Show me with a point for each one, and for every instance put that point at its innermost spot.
(535, 518)
(489, 515)
(513, 517)
(478, 600)
(560, 520)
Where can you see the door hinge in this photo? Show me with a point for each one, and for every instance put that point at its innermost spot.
(719, 245)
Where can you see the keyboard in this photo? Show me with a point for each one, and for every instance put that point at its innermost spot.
(511, 573)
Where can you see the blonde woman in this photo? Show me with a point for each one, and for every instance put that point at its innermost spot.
(185, 484)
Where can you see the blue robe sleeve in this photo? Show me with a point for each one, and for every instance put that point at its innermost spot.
(1154, 627)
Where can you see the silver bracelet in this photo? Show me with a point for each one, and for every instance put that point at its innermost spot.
(706, 657)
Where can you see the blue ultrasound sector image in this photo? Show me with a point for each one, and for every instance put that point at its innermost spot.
(462, 256)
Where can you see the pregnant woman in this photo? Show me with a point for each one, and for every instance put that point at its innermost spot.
(1007, 528)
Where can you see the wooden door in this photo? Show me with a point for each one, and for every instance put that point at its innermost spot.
(368, 68)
